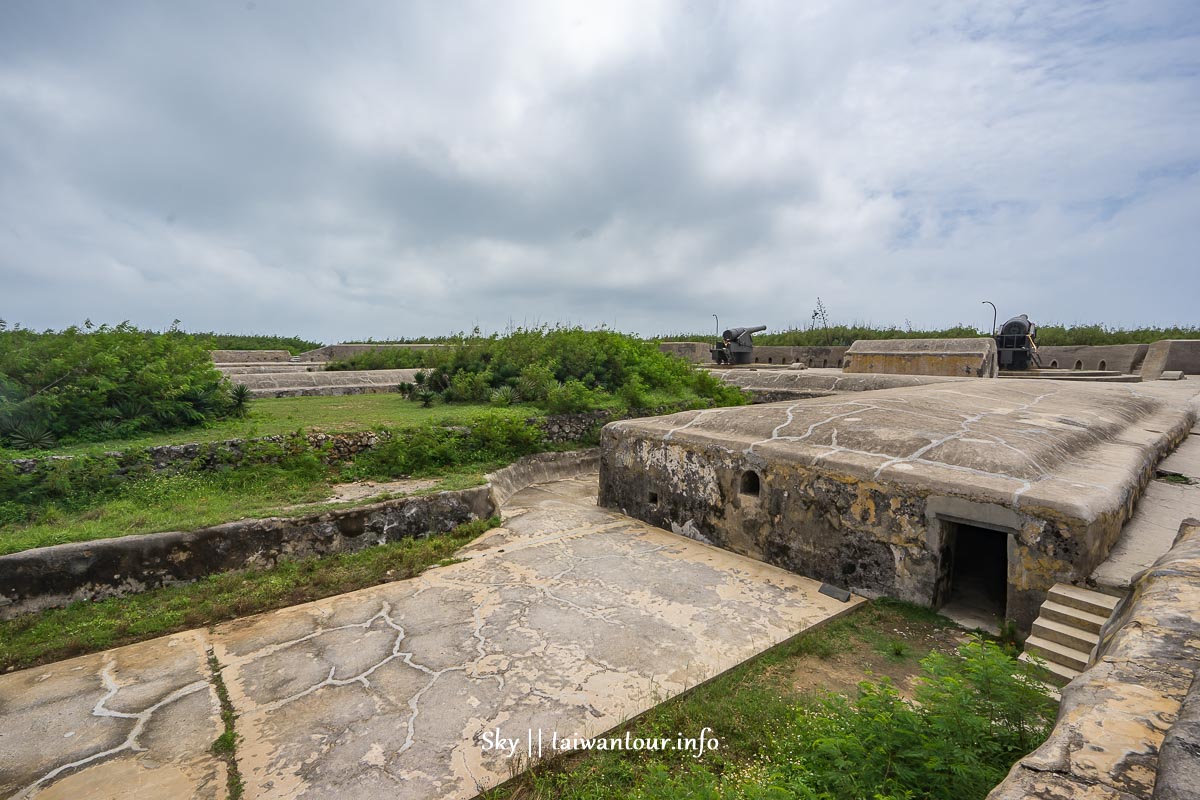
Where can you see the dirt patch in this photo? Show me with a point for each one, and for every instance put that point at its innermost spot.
(867, 646)
(365, 490)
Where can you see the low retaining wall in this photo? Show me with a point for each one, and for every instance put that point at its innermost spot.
(273, 384)
(1124, 358)
(51, 577)
(540, 468)
(1129, 726)
(243, 356)
(970, 358)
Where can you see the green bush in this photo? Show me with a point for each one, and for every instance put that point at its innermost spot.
(392, 358)
(92, 384)
(491, 438)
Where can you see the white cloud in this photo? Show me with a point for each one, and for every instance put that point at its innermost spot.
(366, 170)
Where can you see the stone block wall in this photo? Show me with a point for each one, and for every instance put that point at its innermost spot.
(698, 353)
(1124, 358)
(246, 356)
(969, 358)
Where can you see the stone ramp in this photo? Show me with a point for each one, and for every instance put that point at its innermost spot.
(569, 620)
(1156, 520)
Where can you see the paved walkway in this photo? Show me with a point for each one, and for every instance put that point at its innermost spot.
(568, 620)
(1160, 511)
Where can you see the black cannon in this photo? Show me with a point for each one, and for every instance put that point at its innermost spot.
(736, 345)
(1017, 343)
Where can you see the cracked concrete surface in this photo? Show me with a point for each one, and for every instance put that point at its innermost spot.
(569, 619)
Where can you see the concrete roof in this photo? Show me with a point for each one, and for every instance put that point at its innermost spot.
(1077, 448)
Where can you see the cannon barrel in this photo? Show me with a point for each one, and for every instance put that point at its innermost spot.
(733, 334)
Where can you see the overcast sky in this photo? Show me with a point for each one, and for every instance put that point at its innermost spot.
(343, 170)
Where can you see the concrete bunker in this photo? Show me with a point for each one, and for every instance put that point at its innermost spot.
(900, 492)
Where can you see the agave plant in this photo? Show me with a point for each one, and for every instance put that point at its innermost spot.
(31, 436)
(504, 396)
(425, 397)
(239, 395)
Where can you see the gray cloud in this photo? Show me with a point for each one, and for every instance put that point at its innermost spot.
(366, 169)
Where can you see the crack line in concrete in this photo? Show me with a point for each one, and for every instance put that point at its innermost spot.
(131, 742)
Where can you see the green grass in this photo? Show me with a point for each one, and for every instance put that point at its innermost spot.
(278, 416)
(87, 627)
(191, 500)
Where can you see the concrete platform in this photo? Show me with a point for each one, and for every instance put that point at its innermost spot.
(568, 620)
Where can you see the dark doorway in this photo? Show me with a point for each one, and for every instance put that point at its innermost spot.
(977, 573)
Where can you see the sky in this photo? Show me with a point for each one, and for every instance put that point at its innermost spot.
(381, 169)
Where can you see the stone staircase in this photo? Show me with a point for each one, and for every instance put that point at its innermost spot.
(1066, 632)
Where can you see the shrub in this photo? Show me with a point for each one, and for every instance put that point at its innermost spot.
(570, 397)
(70, 383)
(504, 396)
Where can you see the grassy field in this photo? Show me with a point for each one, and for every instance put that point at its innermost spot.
(88, 627)
(756, 711)
(275, 416)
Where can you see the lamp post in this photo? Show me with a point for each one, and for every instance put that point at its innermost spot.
(718, 322)
(993, 305)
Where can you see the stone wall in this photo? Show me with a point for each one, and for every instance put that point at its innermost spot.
(964, 358)
(1172, 355)
(50, 577)
(296, 384)
(244, 356)
(1129, 726)
(1124, 358)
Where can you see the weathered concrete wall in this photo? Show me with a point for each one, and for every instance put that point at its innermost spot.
(1126, 358)
(232, 371)
(967, 358)
(540, 468)
(1172, 355)
(698, 353)
(243, 356)
(864, 491)
(797, 384)
(334, 352)
(297, 384)
(50, 577)
(1134, 715)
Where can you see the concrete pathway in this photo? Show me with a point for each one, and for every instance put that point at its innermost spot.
(567, 621)
(1156, 521)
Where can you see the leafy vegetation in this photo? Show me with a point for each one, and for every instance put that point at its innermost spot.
(88, 627)
(560, 369)
(972, 712)
(102, 383)
(97, 497)
(252, 341)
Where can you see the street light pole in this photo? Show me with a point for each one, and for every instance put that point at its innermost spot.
(714, 316)
(993, 305)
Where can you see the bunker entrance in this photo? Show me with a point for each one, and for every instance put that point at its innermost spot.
(975, 575)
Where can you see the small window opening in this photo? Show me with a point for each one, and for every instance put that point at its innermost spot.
(750, 483)
(1054, 364)
(1078, 365)
(653, 498)
(1103, 366)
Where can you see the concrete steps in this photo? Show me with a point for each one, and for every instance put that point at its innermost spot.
(1066, 632)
